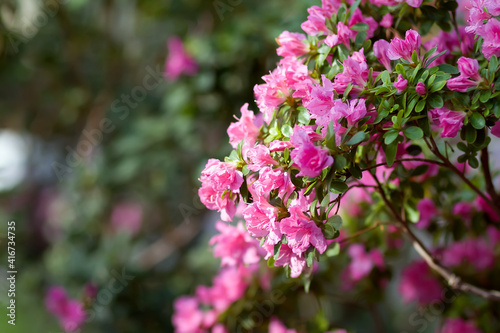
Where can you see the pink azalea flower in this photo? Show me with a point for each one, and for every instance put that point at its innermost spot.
(355, 72)
(404, 48)
(292, 44)
(70, 313)
(427, 211)
(414, 3)
(288, 258)
(401, 83)
(301, 231)
(309, 158)
(362, 262)
(234, 245)
(476, 252)
(469, 68)
(127, 216)
(178, 61)
(260, 217)
(463, 210)
(461, 83)
(245, 128)
(258, 157)
(421, 89)
(485, 207)
(491, 35)
(476, 15)
(450, 121)
(270, 179)
(380, 48)
(459, 325)
(357, 17)
(386, 21)
(187, 317)
(276, 326)
(495, 130)
(219, 328)
(418, 284)
(315, 23)
(216, 178)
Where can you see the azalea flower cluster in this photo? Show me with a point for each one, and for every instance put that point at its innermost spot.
(359, 110)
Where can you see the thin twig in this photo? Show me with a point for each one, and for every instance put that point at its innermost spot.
(452, 279)
(485, 164)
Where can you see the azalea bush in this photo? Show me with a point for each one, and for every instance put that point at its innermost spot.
(366, 175)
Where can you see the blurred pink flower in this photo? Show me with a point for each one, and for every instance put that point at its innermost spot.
(456, 325)
(276, 326)
(127, 216)
(363, 262)
(450, 121)
(178, 61)
(234, 245)
(418, 284)
(473, 251)
(69, 312)
(491, 35)
(427, 211)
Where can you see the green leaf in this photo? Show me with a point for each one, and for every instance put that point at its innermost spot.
(448, 69)
(333, 251)
(470, 134)
(360, 38)
(270, 262)
(473, 162)
(340, 162)
(356, 172)
(356, 138)
(338, 187)
(477, 120)
(414, 150)
(435, 101)
(390, 152)
(390, 136)
(413, 133)
(304, 117)
(277, 248)
(420, 106)
(335, 221)
(310, 258)
(287, 130)
(360, 27)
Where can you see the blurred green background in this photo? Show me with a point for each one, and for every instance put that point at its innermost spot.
(63, 65)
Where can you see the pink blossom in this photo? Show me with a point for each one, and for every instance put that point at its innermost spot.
(450, 121)
(357, 17)
(401, 83)
(427, 211)
(386, 21)
(404, 48)
(476, 15)
(315, 23)
(302, 232)
(469, 68)
(362, 262)
(495, 130)
(485, 207)
(258, 157)
(491, 35)
(414, 3)
(310, 159)
(244, 128)
(460, 83)
(127, 216)
(475, 252)
(380, 48)
(70, 313)
(234, 245)
(223, 176)
(187, 317)
(260, 217)
(219, 328)
(276, 326)
(280, 145)
(463, 210)
(178, 61)
(216, 178)
(292, 44)
(493, 7)
(355, 72)
(271, 179)
(458, 325)
(421, 89)
(493, 235)
(418, 284)
(287, 257)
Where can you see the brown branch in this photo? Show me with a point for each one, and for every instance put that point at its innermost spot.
(434, 148)
(375, 226)
(451, 278)
(406, 159)
(485, 164)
